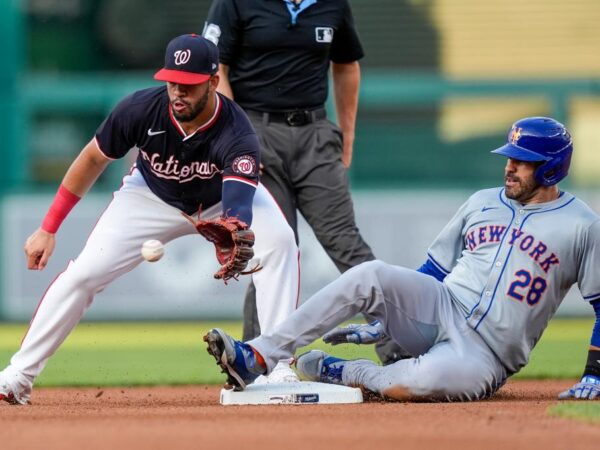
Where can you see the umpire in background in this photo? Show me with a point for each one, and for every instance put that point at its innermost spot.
(274, 62)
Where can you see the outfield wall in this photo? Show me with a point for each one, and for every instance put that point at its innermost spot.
(398, 226)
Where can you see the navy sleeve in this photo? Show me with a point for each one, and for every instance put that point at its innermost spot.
(222, 28)
(237, 200)
(240, 177)
(596, 333)
(346, 46)
(116, 135)
(429, 268)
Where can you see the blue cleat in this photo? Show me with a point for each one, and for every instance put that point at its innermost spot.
(316, 365)
(236, 359)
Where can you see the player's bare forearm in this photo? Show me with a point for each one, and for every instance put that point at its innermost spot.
(85, 170)
(224, 85)
(346, 82)
(80, 177)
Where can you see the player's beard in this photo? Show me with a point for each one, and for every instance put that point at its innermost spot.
(195, 109)
(523, 191)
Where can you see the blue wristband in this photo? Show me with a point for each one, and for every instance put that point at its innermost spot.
(596, 332)
(590, 379)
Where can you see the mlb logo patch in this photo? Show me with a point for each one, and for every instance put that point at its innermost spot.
(324, 34)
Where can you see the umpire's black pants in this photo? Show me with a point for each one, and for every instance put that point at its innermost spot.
(303, 170)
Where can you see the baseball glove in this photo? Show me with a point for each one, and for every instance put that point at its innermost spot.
(233, 241)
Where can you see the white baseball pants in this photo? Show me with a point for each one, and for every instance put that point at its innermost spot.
(113, 249)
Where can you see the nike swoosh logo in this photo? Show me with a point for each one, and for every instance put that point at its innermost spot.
(487, 208)
(154, 133)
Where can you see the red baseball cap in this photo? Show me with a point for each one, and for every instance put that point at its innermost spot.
(189, 59)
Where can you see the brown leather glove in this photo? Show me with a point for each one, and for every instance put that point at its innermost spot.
(233, 241)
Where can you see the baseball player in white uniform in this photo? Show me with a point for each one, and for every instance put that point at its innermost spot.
(197, 151)
(473, 312)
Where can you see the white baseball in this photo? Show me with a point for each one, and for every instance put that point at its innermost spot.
(153, 250)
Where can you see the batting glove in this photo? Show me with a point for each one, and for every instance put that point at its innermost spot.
(356, 334)
(587, 389)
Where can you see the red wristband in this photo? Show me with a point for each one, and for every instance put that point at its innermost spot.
(61, 206)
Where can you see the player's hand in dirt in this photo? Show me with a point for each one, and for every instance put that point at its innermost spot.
(587, 389)
(356, 334)
(38, 249)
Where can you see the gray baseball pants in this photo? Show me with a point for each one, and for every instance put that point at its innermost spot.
(418, 312)
(302, 169)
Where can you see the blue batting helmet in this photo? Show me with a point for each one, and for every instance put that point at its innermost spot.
(540, 139)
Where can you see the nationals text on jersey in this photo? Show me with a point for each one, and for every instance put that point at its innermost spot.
(171, 171)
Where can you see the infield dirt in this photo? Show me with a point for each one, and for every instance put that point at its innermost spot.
(190, 417)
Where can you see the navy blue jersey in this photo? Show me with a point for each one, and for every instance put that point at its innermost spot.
(187, 172)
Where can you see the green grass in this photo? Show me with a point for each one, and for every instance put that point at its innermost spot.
(562, 351)
(587, 411)
(127, 354)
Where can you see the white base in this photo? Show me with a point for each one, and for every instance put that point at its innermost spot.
(301, 393)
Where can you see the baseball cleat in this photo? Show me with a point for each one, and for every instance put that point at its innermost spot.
(13, 392)
(236, 359)
(9, 397)
(316, 365)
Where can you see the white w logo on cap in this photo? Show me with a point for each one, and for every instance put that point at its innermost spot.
(182, 56)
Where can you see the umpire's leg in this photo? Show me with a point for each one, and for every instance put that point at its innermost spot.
(323, 198)
(316, 183)
(323, 195)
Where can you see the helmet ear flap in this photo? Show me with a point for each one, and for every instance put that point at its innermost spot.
(551, 172)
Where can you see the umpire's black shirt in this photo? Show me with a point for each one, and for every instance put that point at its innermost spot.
(279, 53)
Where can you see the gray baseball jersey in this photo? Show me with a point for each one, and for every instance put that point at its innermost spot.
(507, 266)
(510, 265)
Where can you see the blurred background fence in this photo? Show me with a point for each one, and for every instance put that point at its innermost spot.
(442, 82)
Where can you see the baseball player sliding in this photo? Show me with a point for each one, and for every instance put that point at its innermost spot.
(197, 151)
(472, 313)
